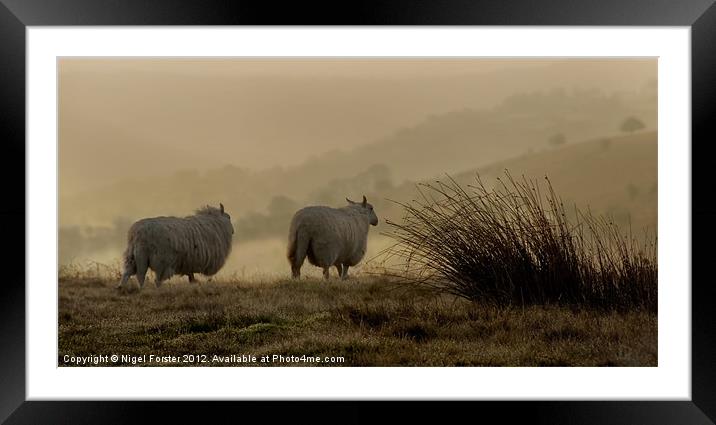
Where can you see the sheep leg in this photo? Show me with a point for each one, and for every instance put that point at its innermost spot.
(159, 277)
(125, 277)
(295, 271)
(339, 269)
(142, 266)
(192, 279)
(325, 272)
(344, 272)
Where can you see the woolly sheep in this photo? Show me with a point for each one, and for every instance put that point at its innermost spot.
(330, 236)
(174, 245)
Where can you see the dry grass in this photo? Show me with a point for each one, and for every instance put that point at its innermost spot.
(516, 244)
(368, 321)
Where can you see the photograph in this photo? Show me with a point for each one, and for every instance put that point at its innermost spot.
(353, 212)
(391, 211)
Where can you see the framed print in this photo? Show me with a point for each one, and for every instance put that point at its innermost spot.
(285, 211)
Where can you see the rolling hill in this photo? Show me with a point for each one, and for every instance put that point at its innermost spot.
(447, 143)
(616, 176)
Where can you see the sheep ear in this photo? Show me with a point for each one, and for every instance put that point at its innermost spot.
(349, 201)
(222, 207)
(365, 201)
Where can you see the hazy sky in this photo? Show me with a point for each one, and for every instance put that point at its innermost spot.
(295, 67)
(123, 118)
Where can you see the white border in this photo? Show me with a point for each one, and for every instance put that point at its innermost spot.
(670, 380)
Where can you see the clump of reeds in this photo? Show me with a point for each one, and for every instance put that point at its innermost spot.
(515, 244)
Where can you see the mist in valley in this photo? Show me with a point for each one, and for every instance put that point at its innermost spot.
(148, 137)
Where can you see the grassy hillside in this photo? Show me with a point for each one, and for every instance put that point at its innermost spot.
(366, 322)
(615, 175)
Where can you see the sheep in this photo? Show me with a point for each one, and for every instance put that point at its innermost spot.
(199, 243)
(330, 236)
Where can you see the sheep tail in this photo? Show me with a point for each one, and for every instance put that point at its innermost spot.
(130, 263)
(297, 248)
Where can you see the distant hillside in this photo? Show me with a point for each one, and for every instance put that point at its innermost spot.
(467, 138)
(153, 117)
(447, 143)
(615, 175)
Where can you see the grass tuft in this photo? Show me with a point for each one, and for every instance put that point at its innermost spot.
(515, 244)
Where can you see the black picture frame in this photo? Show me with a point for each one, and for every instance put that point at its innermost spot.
(16, 15)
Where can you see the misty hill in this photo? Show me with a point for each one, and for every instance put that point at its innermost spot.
(447, 143)
(468, 138)
(615, 176)
(144, 118)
